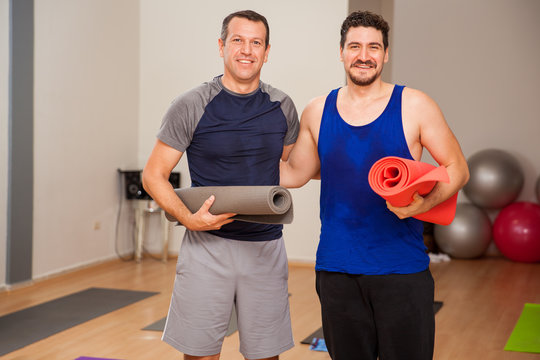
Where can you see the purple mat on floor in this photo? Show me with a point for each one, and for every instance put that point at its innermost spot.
(93, 358)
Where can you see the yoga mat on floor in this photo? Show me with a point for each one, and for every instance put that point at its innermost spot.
(318, 334)
(35, 323)
(157, 326)
(318, 344)
(92, 358)
(396, 180)
(526, 334)
(437, 305)
(160, 324)
(258, 204)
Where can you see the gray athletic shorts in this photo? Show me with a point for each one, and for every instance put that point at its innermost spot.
(212, 275)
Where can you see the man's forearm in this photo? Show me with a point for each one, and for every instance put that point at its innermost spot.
(162, 192)
(458, 174)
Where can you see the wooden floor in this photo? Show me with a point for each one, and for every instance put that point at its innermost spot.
(482, 302)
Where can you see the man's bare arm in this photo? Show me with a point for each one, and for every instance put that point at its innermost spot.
(155, 180)
(286, 152)
(435, 135)
(303, 162)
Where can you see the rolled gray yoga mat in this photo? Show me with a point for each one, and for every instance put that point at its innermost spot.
(257, 204)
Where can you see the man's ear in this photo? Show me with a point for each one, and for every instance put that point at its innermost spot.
(266, 52)
(221, 44)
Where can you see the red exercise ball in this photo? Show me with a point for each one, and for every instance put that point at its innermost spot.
(516, 231)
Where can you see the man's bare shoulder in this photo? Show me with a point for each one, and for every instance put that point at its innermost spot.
(420, 108)
(314, 109)
(413, 98)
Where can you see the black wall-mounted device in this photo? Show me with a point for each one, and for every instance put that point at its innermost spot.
(133, 184)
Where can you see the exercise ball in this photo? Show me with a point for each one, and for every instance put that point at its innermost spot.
(516, 231)
(468, 236)
(496, 179)
(538, 189)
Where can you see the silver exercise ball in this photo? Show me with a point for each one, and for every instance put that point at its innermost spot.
(496, 179)
(468, 236)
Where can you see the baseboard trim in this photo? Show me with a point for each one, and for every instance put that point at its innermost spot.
(301, 263)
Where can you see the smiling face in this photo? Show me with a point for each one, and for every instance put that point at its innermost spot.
(244, 52)
(363, 55)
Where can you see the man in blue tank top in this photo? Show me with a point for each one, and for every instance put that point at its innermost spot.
(373, 278)
(234, 129)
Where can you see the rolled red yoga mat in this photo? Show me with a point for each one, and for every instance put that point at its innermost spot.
(396, 180)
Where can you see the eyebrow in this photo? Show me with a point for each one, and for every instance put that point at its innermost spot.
(247, 37)
(358, 43)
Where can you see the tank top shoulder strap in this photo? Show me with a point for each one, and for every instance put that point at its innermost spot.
(330, 108)
(395, 98)
(330, 102)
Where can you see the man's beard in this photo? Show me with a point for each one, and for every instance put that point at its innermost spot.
(362, 81)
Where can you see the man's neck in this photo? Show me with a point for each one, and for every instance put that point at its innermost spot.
(238, 86)
(366, 92)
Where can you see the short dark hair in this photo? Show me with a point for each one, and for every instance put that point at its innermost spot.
(365, 19)
(246, 14)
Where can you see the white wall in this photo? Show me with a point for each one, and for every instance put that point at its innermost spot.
(179, 51)
(94, 61)
(479, 61)
(86, 125)
(105, 73)
(4, 101)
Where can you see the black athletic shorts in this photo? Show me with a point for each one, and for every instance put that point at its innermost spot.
(370, 316)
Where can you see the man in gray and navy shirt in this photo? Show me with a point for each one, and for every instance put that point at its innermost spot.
(234, 130)
(232, 139)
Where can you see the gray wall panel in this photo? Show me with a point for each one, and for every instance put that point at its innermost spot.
(21, 140)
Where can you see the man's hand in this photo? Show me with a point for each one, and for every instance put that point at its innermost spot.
(414, 208)
(203, 220)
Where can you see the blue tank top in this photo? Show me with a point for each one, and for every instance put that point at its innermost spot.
(359, 235)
